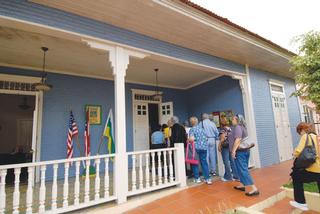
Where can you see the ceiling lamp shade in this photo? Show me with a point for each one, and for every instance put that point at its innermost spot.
(42, 85)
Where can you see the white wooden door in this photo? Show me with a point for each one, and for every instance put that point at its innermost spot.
(165, 112)
(141, 127)
(282, 125)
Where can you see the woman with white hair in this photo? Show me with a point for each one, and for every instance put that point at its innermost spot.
(198, 136)
(240, 151)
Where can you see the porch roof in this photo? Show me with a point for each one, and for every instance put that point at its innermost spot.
(176, 21)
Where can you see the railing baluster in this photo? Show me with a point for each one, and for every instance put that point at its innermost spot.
(16, 193)
(147, 171)
(165, 168)
(106, 178)
(133, 173)
(3, 174)
(42, 195)
(153, 169)
(140, 172)
(159, 169)
(29, 198)
(77, 184)
(97, 181)
(170, 166)
(87, 183)
(66, 185)
(54, 187)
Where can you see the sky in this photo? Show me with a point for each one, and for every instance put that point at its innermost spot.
(277, 20)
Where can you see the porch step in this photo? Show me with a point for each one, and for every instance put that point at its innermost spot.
(283, 206)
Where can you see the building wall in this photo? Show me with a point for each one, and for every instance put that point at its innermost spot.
(28, 11)
(262, 104)
(220, 94)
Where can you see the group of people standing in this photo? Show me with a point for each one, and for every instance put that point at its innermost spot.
(204, 135)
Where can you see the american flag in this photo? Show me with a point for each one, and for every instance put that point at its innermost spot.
(87, 136)
(72, 131)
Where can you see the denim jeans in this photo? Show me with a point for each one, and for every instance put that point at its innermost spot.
(212, 155)
(228, 165)
(204, 165)
(242, 163)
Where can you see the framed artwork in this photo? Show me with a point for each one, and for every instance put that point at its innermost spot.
(228, 114)
(216, 118)
(95, 114)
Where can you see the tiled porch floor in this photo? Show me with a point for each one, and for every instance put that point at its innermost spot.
(219, 197)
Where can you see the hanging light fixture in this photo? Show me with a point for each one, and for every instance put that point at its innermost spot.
(42, 85)
(157, 94)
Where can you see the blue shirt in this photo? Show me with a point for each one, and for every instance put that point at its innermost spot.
(157, 137)
(200, 138)
(210, 129)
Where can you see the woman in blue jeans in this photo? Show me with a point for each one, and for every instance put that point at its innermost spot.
(198, 136)
(241, 155)
(223, 147)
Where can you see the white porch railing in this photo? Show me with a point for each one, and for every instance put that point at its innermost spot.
(55, 195)
(156, 169)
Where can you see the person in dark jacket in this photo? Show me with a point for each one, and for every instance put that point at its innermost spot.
(178, 132)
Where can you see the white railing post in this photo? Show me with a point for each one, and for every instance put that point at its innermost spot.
(133, 173)
(54, 187)
(77, 184)
(165, 168)
(159, 169)
(179, 163)
(87, 183)
(42, 195)
(16, 193)
(29, 198)
(170, 167)
(106, 178)
(153, 169)
(97, 181)
(3, 174)
(140, 172)
(147, 171)
(66, 185)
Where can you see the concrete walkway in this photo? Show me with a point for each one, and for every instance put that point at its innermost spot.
(220, 196)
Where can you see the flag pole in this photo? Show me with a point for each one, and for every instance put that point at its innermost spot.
(80, 150)
(101, 140)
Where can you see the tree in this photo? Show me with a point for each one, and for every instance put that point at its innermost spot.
(306, 66)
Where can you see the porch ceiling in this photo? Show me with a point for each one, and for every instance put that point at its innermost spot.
(206, 34)
(22, 49)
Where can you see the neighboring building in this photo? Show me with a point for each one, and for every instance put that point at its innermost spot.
(310, 114)
(104, 53)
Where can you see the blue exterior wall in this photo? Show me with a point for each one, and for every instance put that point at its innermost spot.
(28, 11)
(264, 117)
(220, 94)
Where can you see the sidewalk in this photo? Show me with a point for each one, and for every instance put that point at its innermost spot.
(220, 196)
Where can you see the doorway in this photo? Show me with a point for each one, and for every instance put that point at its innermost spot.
(16, 130)
(282, 124)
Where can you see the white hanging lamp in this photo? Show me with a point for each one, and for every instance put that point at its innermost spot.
(43, 85)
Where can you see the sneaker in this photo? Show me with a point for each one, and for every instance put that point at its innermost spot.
(303, 207)
(209, 181)
(197, 181)
(225, 180)
(213, 174)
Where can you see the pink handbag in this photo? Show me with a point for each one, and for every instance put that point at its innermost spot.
(191, 154)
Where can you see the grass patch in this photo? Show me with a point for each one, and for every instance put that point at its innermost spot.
(309, 187)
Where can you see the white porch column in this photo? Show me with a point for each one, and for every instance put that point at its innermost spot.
(119, 59)
(245, 86)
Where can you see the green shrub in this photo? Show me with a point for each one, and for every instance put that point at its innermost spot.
(309, 187)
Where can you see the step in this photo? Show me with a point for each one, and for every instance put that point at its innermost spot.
(283, 206)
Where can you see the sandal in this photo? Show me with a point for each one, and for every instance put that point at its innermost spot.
(240, 188)
(252, 193)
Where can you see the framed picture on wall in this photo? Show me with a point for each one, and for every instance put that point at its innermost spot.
(228, 114)
(216, 118)
(95, 114)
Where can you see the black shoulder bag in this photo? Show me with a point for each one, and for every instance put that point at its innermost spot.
(307, 157)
